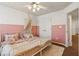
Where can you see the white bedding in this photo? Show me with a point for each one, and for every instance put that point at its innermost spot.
(26, 45)
(43, 40)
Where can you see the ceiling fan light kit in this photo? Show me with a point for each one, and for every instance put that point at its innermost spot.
(29, 7)
(34, 6)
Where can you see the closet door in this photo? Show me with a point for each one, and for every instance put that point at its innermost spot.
(45, 27)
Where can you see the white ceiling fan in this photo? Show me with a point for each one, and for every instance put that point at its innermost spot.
(35, 6)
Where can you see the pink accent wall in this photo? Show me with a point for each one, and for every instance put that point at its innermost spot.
(58, 33)
(7, 28)
(35, 30)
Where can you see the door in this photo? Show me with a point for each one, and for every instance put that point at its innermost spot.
(45, 27)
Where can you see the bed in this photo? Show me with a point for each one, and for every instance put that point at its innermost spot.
(44, 43)
(30, 47)
(27, 45)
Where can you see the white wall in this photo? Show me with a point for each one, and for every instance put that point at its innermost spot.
(78, 21)
(74, 26)
(71, 7)
(68, 9)
(56, 18)
(60, 17)
(12, 16)
(34, 20)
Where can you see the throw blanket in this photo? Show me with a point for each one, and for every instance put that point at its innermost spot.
(6, 50)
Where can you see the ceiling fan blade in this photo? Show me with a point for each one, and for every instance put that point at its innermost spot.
(43, 7)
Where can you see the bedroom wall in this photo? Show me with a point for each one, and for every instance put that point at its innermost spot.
(35, 27)
(78, 21)
(74, 26)
(68, 9)
(44, 24)
(59, 23)
(12, 20)
(11, 16)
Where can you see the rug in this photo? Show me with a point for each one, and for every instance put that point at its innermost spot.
(53, 50)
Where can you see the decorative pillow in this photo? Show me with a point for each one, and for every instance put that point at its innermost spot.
(2, 37)
(28, 35)
(21, 35)
(25, 35)
(16, 36)
(8, 37)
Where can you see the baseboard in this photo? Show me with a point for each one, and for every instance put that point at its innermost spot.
(60, 44)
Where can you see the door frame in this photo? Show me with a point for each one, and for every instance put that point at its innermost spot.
(69, 28)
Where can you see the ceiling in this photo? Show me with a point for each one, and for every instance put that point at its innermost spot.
(74, 14)
(50, 6)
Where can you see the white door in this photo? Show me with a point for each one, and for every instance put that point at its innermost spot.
(45, 27)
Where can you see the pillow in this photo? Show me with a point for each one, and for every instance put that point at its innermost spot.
(25, 35)
(2, 38)
(21, 35)
(8, 37)
(11, 41)
(16, 36)
(28, 36)
(31, 36)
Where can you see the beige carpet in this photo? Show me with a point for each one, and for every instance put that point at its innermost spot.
(53, 50)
